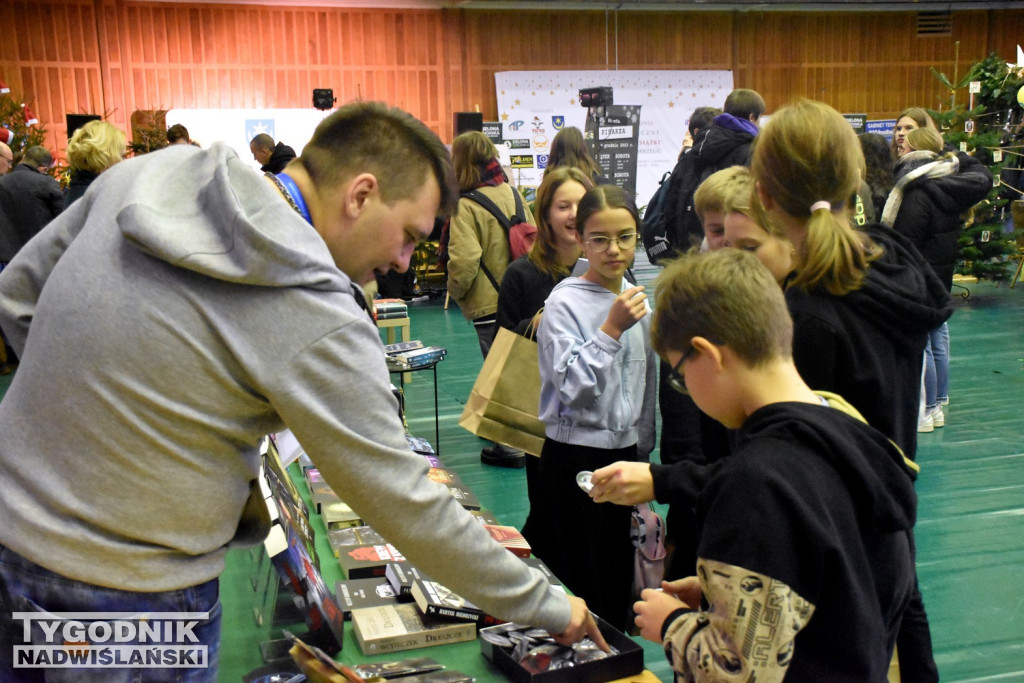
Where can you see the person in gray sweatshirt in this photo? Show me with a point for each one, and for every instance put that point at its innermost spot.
(181, 310)
(599, 379)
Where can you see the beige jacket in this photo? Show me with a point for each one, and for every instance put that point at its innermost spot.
(475, 233)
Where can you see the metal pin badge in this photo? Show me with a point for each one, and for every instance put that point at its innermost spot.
(584, 482)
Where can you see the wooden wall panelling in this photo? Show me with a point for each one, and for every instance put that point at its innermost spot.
(116, 56)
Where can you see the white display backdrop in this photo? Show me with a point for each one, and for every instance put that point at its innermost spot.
(236, 127)
(534, 105)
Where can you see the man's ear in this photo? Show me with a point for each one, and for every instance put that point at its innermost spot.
(360, 189)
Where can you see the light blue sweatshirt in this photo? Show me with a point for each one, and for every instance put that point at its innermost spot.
(595, 391)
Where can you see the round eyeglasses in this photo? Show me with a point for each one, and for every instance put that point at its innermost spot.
(600, 243)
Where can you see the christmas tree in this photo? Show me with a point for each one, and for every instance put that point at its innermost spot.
(989, 131)
(17, 118)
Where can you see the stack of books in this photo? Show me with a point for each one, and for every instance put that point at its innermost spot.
(386, 309)
(416, 358)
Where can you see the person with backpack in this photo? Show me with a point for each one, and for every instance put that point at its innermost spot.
(479, 250)
(726, 142)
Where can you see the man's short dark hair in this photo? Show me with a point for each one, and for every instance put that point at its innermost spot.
(370, 137)
(702, 117)
(37, 156)
(744, 104)
(262, 141)
(177, 132)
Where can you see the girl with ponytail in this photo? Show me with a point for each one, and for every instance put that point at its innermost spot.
(862, 301)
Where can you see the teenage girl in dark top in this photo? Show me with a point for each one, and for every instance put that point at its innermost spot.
(530, 278)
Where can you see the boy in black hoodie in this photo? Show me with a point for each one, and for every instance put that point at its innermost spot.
(805, 563)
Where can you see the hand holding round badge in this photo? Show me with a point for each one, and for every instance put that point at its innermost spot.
(584, 482)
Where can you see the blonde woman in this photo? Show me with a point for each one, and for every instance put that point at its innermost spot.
(862, 302)
(93, 148)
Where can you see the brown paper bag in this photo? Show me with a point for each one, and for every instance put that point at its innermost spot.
(503, 404)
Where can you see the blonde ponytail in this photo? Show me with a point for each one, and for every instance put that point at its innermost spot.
(834, 255)
(808, 155)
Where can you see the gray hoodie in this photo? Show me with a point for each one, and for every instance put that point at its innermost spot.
(171, 317)
(595, 391)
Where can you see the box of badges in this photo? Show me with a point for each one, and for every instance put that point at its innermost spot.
(530, 655)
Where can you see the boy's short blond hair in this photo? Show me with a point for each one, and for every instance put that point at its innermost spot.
(726, 296)
(725, 191)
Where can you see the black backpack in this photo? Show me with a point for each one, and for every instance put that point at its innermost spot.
(654, 226)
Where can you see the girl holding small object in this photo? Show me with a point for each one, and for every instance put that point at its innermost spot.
(598, 386)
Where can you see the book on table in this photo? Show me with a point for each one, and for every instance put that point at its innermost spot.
(436, 600)
(301, 577)
(368, 561)
(350, 536)
(511, 538)
(392, 628)
(465, 497)
(401, 576)
(358, 593)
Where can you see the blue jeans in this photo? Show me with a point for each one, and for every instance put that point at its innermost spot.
(26, 587)
(936, 367)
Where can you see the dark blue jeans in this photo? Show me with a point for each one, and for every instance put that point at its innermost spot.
(28, 589)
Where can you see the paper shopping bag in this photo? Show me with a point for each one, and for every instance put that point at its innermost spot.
(503, 404)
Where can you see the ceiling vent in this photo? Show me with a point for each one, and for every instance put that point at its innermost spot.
(934, 24)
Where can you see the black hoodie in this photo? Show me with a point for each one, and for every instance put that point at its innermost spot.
(817, 500)
(279, 158)
(868, 345)
(726, 142)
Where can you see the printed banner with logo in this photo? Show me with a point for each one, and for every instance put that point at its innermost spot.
(237, 127)
(534, 105)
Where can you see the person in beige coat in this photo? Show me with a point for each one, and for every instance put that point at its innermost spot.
(478, 250)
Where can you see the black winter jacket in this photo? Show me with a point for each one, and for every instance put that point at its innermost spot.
(726, 142)
(929, 215)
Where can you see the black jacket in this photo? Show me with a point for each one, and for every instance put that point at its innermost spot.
(726, 142)
(80, 181)
(929, 215)
(524, 289)
(827, 509)
(28, 201)
(868, 345)
(279, 158)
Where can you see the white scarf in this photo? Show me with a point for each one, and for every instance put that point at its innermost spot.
(939, 167)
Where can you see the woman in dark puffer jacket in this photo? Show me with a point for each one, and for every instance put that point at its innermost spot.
(925, 205)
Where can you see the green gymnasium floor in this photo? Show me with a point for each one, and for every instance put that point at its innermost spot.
(970, 528)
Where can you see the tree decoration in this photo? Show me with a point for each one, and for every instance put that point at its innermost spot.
(991, 131)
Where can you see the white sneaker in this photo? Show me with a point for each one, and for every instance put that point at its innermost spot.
(926, 424)
(945, 401)
(937, 416)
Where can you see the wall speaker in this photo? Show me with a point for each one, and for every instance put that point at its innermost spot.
(323, 98)
(468, 120)
(76, 121)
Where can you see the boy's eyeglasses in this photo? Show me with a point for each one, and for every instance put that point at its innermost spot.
(675, 378)
(600, 243)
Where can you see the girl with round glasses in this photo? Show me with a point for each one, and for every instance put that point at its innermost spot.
(598, 386)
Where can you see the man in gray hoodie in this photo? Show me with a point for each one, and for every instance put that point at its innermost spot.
(183, 309)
